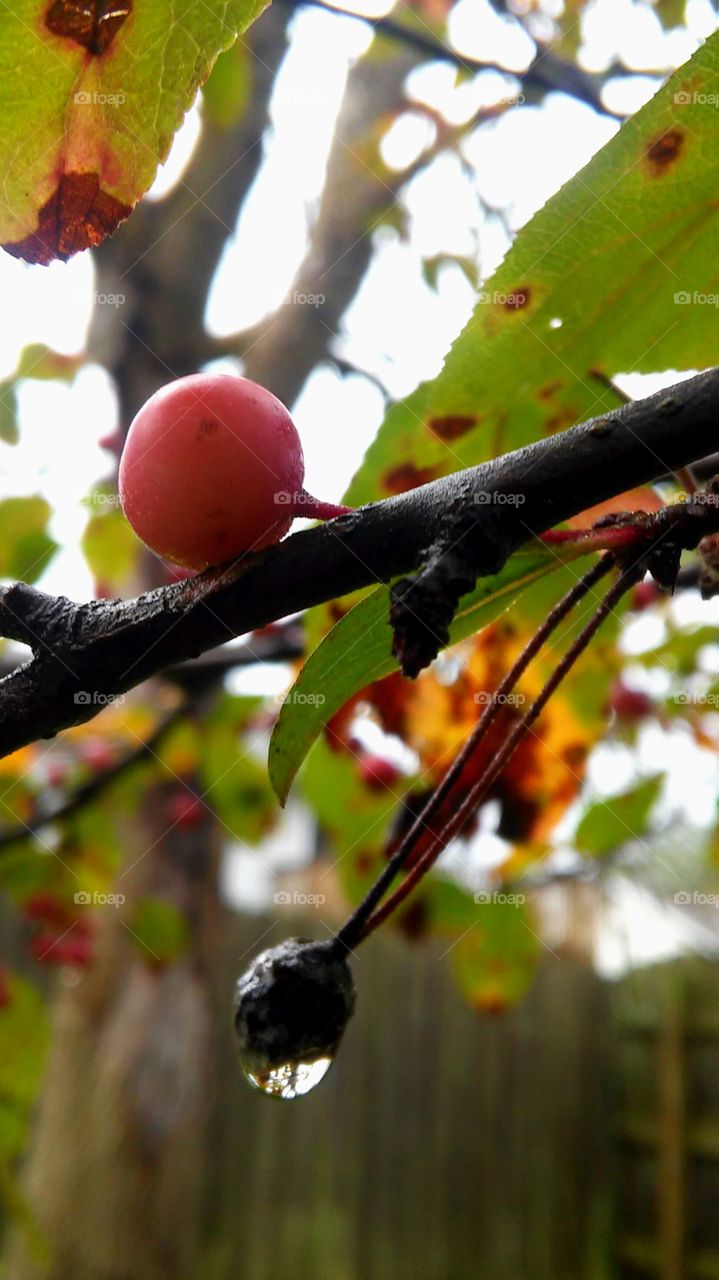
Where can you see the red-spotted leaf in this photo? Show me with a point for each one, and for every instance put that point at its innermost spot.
(91, 94)
(615, 273)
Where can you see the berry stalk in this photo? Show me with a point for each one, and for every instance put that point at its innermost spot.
(477, 793)
(356, 927)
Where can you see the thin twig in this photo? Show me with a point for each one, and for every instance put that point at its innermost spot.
(95, 786)
(476, 793)
(357, 924)
(546, 73)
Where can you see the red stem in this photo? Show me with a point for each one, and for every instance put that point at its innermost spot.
(609, 538)
(315, 509)
(355, 927)
(482, 785)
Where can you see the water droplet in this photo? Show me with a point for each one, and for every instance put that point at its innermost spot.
(291, 1008)
(292, 1079)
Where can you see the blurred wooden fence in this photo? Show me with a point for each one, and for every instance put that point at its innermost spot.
(442, 1145)
(668, 1117)
(575, 1138)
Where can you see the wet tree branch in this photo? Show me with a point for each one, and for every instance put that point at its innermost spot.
(106, 647)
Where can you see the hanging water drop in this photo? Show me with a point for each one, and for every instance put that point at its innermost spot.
(291, 1009)
(292, 1079)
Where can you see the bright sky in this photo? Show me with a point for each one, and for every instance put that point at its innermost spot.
(397, 328)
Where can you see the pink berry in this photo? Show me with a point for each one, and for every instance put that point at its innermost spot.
(630, 704)
(185, 809)
(45, 908)
(645, 594)
(56, 774)
(112, 442)
(213, 467)
(97, 755)
(378, 774)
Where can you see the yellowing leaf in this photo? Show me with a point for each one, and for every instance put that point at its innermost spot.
(89, 101)
(614, 273)
(26, 548)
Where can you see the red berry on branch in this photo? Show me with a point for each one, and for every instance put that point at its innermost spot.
(644, 595)
(53, 949)
(212, 468)
(378, 774)
(112, 442)
(185, 809)
(176, 573)
(56, 774)
(74, 950)
(45, 908)
(97, 754)
(44, 946)
(630, 705)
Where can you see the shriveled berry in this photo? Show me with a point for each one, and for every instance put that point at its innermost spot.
(291, 1009)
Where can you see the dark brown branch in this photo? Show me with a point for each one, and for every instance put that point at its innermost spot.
(108, 647)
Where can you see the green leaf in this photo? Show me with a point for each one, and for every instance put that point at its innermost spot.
(228, 90)
(36, 361)
(608, 824)
(355, 819)
(82, 127)
(26, 548)
(159, 930)
(613, 257)
(9, 429)
(680, 651)
(23, 1044)
(670, 12)
(109, 544)
(431, 268)
(234, 784)
(42, 363)
(496, 959)
(358, 651)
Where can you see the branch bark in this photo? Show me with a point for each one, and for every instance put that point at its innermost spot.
(106, 647)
